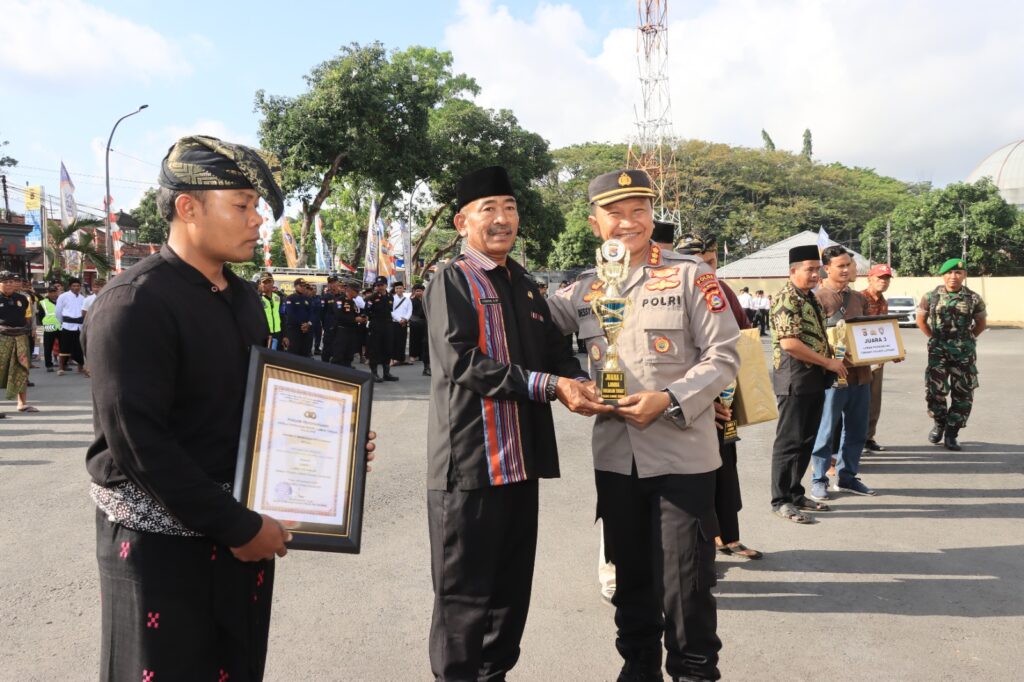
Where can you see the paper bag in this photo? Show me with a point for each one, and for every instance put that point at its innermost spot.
(755, 396)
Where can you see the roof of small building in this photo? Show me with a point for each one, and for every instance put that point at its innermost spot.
(1006, 168)
(773, 261)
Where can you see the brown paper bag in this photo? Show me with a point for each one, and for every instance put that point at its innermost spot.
(755, 396)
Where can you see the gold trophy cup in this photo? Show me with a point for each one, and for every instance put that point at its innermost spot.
(729, 433)
(837, 336)
(610, 309)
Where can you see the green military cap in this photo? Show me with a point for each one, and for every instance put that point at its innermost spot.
(617, 185)
(953, 264)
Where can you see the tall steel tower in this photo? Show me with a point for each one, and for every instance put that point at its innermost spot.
(652, 149)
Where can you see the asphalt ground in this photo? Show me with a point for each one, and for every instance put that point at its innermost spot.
(923, 582)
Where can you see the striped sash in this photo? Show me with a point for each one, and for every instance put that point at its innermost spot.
(502, 442)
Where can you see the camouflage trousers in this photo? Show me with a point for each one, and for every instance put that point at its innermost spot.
(951, 372)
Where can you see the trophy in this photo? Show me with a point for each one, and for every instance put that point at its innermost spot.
(728, 394)
(610, 309)
(838, 334)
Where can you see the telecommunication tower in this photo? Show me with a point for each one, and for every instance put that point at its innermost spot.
(652, 149)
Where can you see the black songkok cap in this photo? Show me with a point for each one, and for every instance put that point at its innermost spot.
(418, 287)
(492, 181)
(798, 254)
(664, 232)
(621, 184)
(199, 162)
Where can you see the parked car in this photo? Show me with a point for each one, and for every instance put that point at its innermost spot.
(905, 307)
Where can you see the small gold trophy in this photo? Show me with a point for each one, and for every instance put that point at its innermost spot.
(729, 433)
(610, 308)
(838, 339)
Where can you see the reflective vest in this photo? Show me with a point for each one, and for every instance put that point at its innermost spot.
(272, 309)
(50, 321)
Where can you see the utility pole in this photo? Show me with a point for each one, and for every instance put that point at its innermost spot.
(45, 238)
(7, 202)
(107, 203)
(888, 243)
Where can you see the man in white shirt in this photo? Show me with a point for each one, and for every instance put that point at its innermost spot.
(70, 315)
(761, 310)
(97, 287)
(746, 302)
(401, 312)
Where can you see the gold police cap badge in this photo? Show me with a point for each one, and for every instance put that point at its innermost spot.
(625, 180)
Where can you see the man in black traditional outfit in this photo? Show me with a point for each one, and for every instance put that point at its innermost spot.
(186, 571)
(500, 361)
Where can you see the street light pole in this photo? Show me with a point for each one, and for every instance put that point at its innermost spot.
(107, 240)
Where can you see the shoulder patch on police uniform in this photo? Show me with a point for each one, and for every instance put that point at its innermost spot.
(713, 296)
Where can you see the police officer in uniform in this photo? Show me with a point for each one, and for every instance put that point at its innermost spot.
(298, 319)
(271, 301)
(380, 338)
(655, 456)
(345, 336)
(332, 291)
(46, 315)
(952, 317)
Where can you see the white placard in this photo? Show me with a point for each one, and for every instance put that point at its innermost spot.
(302, 467)
(875, 341)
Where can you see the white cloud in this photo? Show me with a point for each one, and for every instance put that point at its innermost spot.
(920, 90)
(80, 45)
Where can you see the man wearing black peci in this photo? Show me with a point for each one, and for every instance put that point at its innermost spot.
(500, 361)
(186, 571)
(380, 339)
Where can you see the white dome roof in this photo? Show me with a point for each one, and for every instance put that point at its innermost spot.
(1006, 168)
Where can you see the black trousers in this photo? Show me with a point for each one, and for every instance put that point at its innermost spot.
(380, 341)
(401, 335)
(49, 338)
(482, 548)
(71, 346)
(661, 533)
(299, 342)
(795, 431)
(417, 338)
(179, 608)
(344, 345)
(727, 493)
(328, 343)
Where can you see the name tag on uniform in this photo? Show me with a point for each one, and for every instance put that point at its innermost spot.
(584, 312)
(490, 301)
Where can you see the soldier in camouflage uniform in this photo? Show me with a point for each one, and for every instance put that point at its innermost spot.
(952, 317)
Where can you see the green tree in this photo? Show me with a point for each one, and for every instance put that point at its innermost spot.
(808, 149)
(153, 229)
(6, 161)
(365, 112)
(769, 145)
(929, 228)
(78, 238)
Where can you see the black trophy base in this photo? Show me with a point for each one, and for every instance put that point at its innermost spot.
(729, 432)
(612, 386)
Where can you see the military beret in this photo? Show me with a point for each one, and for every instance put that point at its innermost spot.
(798, 254)
(492, 181)
(953, 264)
(617, 185)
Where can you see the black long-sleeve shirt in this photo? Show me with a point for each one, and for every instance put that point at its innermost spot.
(169, 353)
(489, 422)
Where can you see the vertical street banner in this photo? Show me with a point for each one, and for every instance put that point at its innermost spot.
(406, 251)
(266, 231)
(323, 261)
(288, 239)
(370, 261)
(68, 207)
(823, 240)
(385, 256)
(33, 203)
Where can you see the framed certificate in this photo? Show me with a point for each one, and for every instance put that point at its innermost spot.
(301, 453)
(874, 340)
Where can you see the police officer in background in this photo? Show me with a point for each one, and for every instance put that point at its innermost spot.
(347, 315)
(655, 456)
(46, 316)
(299, 317)
(325, 344)
(419, 346)
(271, 301)
(952, 317)
(380, 339)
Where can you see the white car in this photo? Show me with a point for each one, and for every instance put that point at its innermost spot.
(906, 308)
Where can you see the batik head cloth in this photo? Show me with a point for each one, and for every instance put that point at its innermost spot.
(199, 162)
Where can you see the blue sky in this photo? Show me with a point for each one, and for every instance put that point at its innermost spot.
(919, 90)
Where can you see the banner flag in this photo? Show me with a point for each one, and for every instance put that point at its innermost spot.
(823, 240)
(68, 207)
(372, 246)
(33, 201)
(385, 258)
(322, 260)
(288, 239)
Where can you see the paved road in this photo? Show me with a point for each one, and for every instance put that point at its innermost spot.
(923, 582)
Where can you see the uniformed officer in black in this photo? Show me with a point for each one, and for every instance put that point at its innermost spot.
(380, 338)
(347, 316)
(332, 291)
(419, 346)
(299, 318)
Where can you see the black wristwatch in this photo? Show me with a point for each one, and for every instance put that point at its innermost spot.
(549, 388)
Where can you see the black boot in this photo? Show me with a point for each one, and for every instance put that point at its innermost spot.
(388, 376)
(951, 442)
(935, 435)
(376, 377)
(645, 666)
(426, 371)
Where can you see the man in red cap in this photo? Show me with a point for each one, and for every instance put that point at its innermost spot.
(879, 277)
